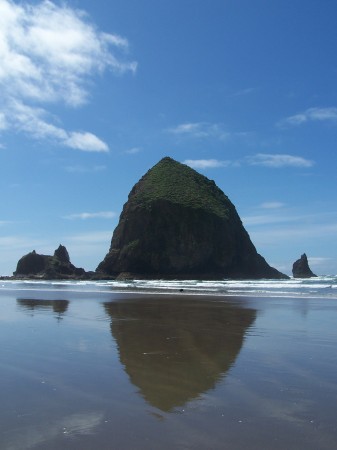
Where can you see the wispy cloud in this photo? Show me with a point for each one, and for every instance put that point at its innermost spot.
(133, 150)
(267, 219)
(85, 169)
(200, 130)
(323, 221)
(294, 232)
(272, 205)
(3, 122)
(318, 260)
(87, 249)
(271, 161)
(279, 160)
(205, 163)
(34, 122)
(95, 215)
(91, 238)
(49, 54)
(243, 92)
(311, 115)
(19, 243)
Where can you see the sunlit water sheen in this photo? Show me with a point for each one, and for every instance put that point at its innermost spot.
(108, 365)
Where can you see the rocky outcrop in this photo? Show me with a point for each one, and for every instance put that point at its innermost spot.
(301, 268)
(58, 266)
(179, 224)
(61, 253)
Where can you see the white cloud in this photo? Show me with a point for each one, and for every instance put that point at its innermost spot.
(310, 115)
(49, 54)
(86, 141)
(198, 130)
(205, 163)
(96, 215)
(279, 160)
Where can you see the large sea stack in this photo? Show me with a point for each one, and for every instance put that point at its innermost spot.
(179, 224)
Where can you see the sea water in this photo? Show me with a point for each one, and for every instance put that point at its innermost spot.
(323, 286)
(158, 364)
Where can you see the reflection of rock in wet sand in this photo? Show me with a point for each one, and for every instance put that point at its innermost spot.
(176, 348)
(57, 306)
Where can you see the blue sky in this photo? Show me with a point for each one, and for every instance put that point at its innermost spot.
(93, 94)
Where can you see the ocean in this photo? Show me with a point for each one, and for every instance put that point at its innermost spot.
(323, 287)
(168, 364)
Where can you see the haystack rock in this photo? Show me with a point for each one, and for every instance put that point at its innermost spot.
(58, 266)
(179, 224)
(301, 268)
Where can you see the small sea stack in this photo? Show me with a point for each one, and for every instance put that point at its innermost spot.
(301, 268)
(178, 224)
(57, 266)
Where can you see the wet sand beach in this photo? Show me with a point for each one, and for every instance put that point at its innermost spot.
(108, 370)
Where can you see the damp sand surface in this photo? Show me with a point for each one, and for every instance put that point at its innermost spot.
(106, 370)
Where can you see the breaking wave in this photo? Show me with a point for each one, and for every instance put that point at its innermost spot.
(324, 286)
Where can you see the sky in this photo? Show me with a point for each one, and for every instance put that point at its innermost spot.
(93, 94)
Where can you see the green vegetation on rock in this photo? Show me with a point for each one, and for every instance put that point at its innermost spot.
(177, 183)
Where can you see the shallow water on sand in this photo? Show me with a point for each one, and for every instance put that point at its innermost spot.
(85, 369)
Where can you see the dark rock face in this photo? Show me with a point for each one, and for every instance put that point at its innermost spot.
(61, 253)
(179, 224)
(34, 265)
(301, 268)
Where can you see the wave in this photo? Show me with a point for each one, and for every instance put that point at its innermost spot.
(324, 286)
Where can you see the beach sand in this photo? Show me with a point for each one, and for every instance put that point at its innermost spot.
(138, 371)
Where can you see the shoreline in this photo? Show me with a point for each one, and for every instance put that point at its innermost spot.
(317, 288)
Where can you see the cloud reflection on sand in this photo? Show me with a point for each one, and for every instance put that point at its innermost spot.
(69, 426)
